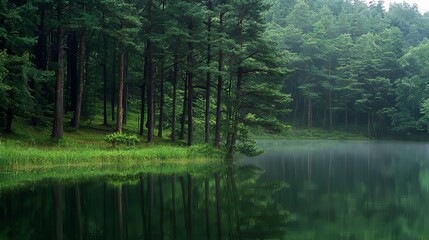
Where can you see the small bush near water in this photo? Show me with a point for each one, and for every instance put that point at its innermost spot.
(122, 138)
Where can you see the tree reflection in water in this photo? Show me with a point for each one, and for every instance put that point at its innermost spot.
(231, 203)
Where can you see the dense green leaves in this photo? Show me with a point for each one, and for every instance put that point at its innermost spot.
(336, 61)
(158, 58)
(351, 60)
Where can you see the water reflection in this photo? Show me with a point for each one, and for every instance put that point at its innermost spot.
(335, 190)
(229, 204)
(351, 190)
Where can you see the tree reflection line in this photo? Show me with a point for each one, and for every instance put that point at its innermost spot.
(200, 208)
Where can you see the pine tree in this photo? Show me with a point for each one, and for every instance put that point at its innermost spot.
(57, 131)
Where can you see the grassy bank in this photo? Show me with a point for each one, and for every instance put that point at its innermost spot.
(23, 165)
(29, 156)
(17, 158)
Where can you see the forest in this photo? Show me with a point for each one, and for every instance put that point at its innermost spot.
(211, 71)
(126, 119)
(355, 65)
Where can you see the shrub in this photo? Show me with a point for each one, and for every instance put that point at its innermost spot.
(121, 138)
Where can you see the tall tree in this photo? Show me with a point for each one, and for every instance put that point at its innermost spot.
(123, 23)
(161, 100)
(208, 78)
(222, 12)
(149, 74)
(82, 53)
(120, 111)
(17, 72)
(57, 131)
(190, 86)
(253, 59)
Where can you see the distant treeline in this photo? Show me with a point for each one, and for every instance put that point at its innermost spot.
(355, 64)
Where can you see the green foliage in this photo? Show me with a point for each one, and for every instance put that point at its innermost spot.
(118, 138)
(249, 148)
(205, 150)
(423, 122)
(349, 57)
(246, 145)
(333, 60)
(15, 72)
(16, 31)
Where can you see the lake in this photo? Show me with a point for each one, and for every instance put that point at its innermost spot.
(295, 190)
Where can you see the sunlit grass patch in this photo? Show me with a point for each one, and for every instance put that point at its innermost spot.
(14, 157)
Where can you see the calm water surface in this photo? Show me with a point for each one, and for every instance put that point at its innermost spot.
(351, 189)
(296, 190)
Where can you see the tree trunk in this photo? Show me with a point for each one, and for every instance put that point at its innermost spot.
(113, 96)
(119, 117)
(208, 80)
(236, 114)
(184, 109)
(219, 88)
(125, 104)
(229, 110)
(125, 100)
(90, 96)
(174, 119)
(143, 92)
(105, 80)
(142, 107)
(78, 105)
(161, 103)
(190, 90)
(150, 87)
(72, 71)
(57, 131)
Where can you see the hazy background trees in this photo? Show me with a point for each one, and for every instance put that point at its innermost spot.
(355, 66)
